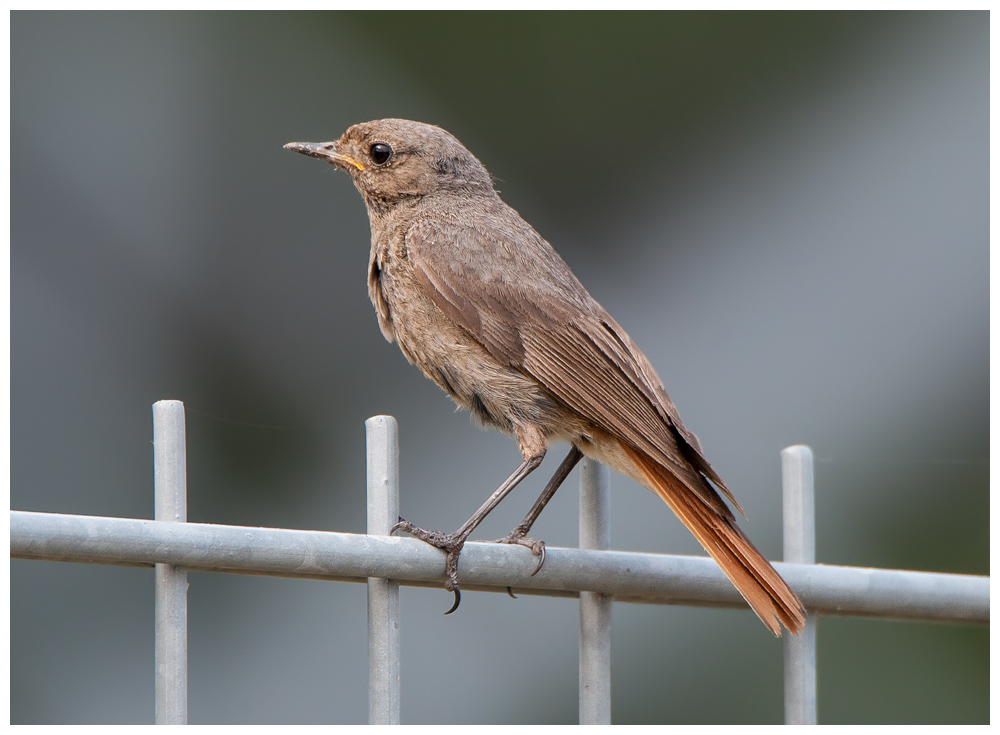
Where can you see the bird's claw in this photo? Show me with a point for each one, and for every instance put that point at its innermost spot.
(451, 567)
(537, 548)
(541, 559)
(458, 601)
(449, 543)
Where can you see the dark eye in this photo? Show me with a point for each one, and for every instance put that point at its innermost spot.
(380, 153)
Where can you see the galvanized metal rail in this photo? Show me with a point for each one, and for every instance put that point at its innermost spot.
(597, 576)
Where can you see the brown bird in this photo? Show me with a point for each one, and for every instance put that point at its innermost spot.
(484, 306)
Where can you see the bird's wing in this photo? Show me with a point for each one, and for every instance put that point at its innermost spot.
(513, 294)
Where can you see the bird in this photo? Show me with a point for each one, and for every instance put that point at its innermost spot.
(486, 309)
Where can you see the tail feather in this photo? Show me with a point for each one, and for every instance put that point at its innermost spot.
(761, 586)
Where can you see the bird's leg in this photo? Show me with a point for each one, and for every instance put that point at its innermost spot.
(520, 533)
(452, 543)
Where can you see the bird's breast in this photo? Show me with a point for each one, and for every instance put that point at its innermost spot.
(496, 394)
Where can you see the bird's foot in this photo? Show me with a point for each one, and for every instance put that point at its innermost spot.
(450, 543)
(537, 547)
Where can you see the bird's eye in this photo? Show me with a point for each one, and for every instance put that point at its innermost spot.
(380, 153)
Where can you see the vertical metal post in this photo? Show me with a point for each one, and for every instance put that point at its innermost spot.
(799, 519)
(383, 594)
(170, 506)
(595, 608)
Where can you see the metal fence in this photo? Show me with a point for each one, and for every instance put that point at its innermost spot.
(592, 572)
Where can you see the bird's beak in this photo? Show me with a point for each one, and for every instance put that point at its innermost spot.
(325, 152)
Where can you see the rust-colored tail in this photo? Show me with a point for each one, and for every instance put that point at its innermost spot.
(761, 586)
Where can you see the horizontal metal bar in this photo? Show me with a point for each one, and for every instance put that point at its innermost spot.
(625, 576)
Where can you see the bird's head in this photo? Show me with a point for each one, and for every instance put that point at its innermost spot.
(393, 160)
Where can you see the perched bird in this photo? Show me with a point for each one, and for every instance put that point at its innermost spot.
(484, 307)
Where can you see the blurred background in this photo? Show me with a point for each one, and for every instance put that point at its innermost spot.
(787, 211)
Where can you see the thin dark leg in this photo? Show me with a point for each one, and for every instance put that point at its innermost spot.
(520, 532)
(452, 543)
(574, 456)
(527, 467)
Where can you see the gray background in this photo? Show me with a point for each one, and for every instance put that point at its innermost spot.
(788, 212)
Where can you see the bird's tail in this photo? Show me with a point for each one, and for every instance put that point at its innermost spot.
(761, 586)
